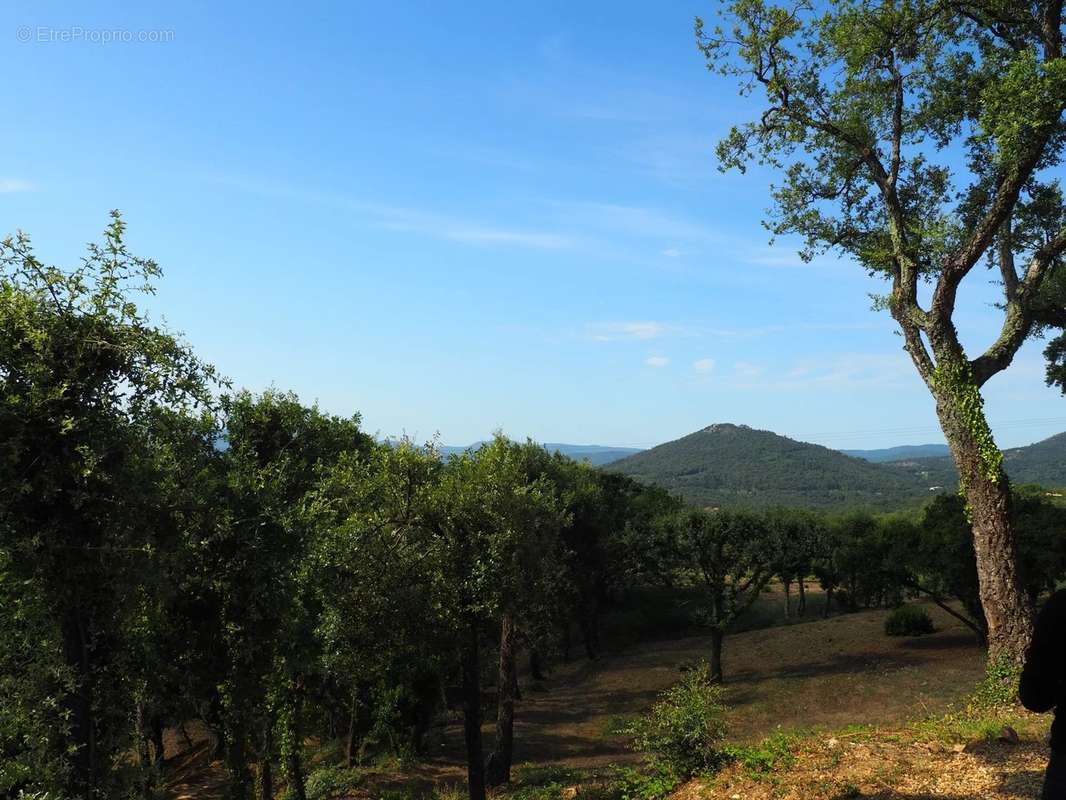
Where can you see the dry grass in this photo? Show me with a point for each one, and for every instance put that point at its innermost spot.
(888, 767)
(816, 674)
(811, 676)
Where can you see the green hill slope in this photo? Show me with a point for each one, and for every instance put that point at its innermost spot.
(734, 465)
(1043, 462)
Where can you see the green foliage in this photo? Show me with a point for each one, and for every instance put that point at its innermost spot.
(96, 404)
(328, 782)
(908, 620)
(772, 753)
(999, 688)
(654, 783)
(956, 381)
(33, 682)
(685, 727)
(545, 775)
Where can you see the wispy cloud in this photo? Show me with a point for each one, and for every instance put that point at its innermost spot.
(459, 230)
(641, 221)
(12, 185)
(672, 252)
(657, 361)
(842, 372)
(703, 365)
(640, 330)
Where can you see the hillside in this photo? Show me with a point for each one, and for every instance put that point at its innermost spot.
(900, 453)
(734, 465)
(1043, 462)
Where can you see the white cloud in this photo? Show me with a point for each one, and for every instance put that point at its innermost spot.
(641, 330)
(703, 365)
(672, 252)
(12, 185)
(657, 361)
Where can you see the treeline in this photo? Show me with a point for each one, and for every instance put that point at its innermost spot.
(172, 550)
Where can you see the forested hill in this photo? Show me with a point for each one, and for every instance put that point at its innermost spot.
(1043, 462)
(734, 465)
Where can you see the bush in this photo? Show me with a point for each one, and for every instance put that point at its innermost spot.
(908, 621)
(685, 727)
(773, 752)
(327, 782)
(998, 689)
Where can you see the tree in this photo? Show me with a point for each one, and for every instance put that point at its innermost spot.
(730, 555)
(278, 452)
(83, 374)
(921, 137)
(793, 547)
(939, 560)
(494, 529)
(374, 567)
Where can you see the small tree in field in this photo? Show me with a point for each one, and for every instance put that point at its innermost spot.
(730, 556)
(922, 138)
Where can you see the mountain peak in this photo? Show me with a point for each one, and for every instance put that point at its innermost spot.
(725, 427)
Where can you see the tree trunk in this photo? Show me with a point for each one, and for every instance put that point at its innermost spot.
(986, 488)
(294, 742)
(717, 635)
(240, 784)
(475, 764)
(802, 608)
(159, 756)
(81, 779)
(828, 602)
(349, 747)
(498, 769)
(787, 584)
(266, 779)
(143, 756)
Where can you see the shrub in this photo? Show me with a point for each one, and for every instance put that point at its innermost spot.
(773, 752)
(998, 689)
(685, 727)
(908, 621)
(633, 784)
(328, 782)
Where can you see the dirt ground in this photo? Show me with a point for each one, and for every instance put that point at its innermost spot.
(812, 674)
(807, 675)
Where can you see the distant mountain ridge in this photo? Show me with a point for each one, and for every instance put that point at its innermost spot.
(900, 453)
(595, 454)
(734, 465)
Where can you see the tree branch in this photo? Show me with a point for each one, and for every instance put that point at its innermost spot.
(1020, 317)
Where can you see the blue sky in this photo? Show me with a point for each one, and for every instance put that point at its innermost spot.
(457, 217)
